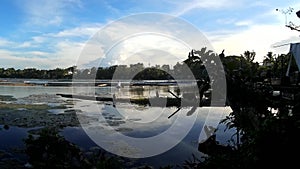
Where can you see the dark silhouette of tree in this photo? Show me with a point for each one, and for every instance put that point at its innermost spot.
(249, 56)
(222, 55)
(264, 138)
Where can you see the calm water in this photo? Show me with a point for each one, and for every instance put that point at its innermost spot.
(125, 120)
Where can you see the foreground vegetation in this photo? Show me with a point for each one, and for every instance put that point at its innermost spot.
(267, 124)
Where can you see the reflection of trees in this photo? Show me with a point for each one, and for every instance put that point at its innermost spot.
(51, 151)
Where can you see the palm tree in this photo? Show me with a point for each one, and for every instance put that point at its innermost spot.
(249, 56)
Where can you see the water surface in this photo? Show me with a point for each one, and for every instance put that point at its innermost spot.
(134, 121)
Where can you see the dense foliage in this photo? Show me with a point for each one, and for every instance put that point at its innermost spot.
(266, 123)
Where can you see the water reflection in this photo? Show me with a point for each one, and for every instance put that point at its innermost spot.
(117, 132)
(142, 91)
(126, 119)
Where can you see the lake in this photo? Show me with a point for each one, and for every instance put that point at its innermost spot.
(143, 133)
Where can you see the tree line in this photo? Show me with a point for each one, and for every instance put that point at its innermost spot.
(273, 66)
(134, 71)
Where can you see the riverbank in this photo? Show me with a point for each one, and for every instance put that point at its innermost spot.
(93, 82)
(14, 84)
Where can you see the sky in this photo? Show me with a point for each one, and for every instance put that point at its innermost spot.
(47, 34)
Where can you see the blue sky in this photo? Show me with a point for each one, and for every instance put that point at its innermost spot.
(52, 33)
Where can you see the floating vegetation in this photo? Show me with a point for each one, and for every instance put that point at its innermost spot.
(28, 116)
(40, 98)
(35, 111)
(73, 111)
(134, 119)
(16, 106)
(114, 122)
(123, 129)
(7, 98)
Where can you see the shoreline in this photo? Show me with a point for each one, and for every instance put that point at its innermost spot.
(15, 84)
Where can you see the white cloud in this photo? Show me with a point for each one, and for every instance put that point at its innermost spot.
(111, 8)
(25, 45)
(259, 38)
(4, 42)
(66, 55)
(225, 21)
(38, 39)
(259, 3)
(57, 20)
(137, 39)
(82, 31)
(244, 23)
(67, 48)
(150, 49)
(185, 7)
(34, 42)
(12, 59)
(45, 13)
(49, 50)
(38, 54)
